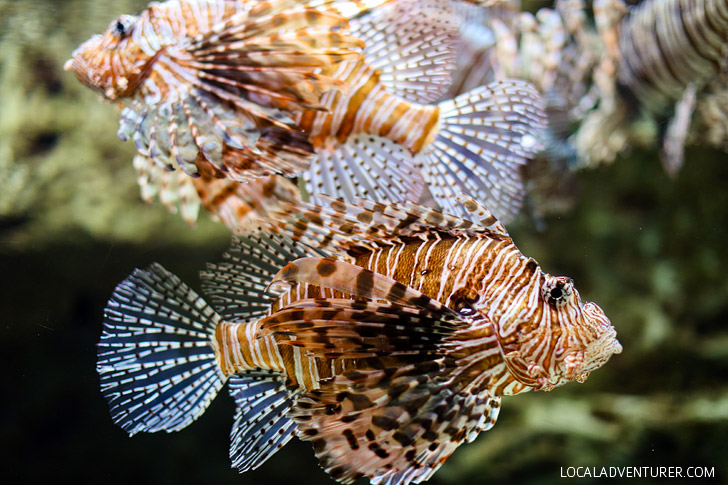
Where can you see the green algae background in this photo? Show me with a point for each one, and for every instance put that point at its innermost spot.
(651, 251)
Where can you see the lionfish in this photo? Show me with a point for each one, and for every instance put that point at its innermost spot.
(670, 50)
(385, 335)
(238, 90)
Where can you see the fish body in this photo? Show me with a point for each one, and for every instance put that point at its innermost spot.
(385, 335)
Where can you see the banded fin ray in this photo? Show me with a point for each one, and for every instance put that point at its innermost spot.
(271, 51)
(156, 361)
(485, 136)
(238, 285)
(394, 425)
(261, 425)
(342, 227)
(175, 190)
(203, 135)
(365, 166)
(672, 151)
(412, 44)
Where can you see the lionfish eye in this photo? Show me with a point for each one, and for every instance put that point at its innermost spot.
(123, 26)
(557, 290)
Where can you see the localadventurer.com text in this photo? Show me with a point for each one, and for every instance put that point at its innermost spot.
(637, 472)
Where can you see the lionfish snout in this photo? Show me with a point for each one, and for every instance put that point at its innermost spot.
(87, 68)
(602, 345)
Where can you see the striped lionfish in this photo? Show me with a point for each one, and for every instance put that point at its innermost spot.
(670, 50)
(210, 92)
(385, 335)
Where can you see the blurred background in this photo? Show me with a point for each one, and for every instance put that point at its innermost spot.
(650, 250)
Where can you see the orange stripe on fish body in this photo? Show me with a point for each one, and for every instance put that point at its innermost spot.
(367, 108)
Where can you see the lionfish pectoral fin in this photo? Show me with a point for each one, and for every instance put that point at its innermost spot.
(156, 360)
(261, 425)
(365, 166)
(237, 285)
(672, 150)
(270, 55)
(412, 44)
(358, 282)
(393, 424)
(485, 136)
(175, 190)
(340, 328)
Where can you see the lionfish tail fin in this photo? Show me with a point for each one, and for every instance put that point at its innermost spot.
(485, 136)
(261, 426)
(156, 358)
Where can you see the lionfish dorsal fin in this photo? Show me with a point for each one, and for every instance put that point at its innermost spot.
(237, 285)
(261, 426)
(345, 227)
(412, 45)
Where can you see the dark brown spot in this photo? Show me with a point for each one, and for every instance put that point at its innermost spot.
(403, 438)
(434, 218)
(384, 422)
(360, 402)
(370, 435)
(378, 450)
(319, 445)
(364, 217)
(338, 206)
(311, 432)
(364, 283)
(351, 439)
(325, 268)
(411, 454)
(337, 472)
(396, 292)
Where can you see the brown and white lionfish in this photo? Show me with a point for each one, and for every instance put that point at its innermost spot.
(241, 89)
(385, 335)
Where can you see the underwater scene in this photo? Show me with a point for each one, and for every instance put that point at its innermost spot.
(474, 241)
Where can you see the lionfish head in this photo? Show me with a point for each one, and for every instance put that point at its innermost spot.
(585, 339)
(113, 63)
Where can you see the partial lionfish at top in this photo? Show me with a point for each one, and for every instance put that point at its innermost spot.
(214, 81)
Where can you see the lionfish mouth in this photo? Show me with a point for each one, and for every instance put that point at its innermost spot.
(96, 67)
